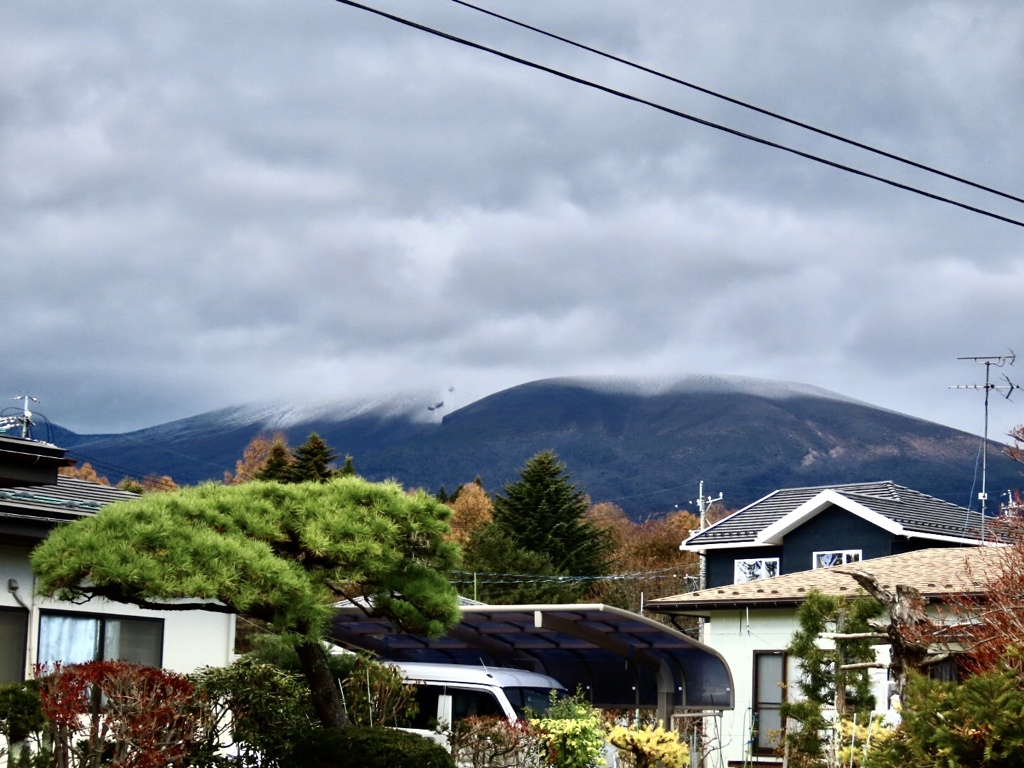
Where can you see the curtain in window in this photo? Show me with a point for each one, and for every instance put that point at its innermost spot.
(68, 639)
(78, 639)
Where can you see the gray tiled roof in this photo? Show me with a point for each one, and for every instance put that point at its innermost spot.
(68, 500)
(917, 512)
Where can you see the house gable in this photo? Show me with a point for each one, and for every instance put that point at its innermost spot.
(800, 528)
(827, 499)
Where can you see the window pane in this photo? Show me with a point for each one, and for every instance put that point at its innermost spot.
(769, 678)
(747, 570)
(426, 702)
(476, 703)
(13, 631)
(769, 729)
(133, 640)
(68, 639)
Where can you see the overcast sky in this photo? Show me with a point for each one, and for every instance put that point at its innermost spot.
(205, 203)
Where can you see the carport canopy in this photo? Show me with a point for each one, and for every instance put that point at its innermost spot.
(619, 658)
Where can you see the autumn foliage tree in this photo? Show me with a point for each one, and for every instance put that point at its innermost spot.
(254, 458)
(472, 509)
(645, 556)
(83, 472)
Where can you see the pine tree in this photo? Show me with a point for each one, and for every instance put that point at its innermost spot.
(282, 554)
(544, 512)
(313, 461)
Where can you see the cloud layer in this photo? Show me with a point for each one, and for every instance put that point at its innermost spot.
(205, 203)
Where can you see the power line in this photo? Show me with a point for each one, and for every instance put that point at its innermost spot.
(481, 577)
(678, 113)
(740, 103)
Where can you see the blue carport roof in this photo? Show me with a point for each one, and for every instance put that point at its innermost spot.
(621, 659)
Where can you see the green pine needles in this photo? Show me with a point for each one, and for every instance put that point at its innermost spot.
(823, 684)
(280, 553)
(543, 512)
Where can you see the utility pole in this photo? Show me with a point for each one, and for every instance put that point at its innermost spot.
(988, 361)
(703, 504)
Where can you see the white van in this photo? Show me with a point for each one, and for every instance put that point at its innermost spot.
(447, 693)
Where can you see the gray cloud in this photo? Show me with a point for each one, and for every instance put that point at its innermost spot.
(202, 204)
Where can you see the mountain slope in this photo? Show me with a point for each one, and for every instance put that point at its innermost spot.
(641, 443)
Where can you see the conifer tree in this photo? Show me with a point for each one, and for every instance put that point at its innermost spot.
(278, 466)
(313, 461)
(544, 512)
(348, 468)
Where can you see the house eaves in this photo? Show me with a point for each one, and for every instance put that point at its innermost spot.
(935, 573)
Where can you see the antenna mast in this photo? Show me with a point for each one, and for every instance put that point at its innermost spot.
(24, 421)
(988, 361)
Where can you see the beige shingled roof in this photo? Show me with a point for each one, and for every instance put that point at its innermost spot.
(935, 572)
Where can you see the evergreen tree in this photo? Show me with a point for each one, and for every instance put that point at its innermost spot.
(544, 512)
(505, 573)
(313, 461)
(348, 468)
(283, 554)
(823, 683)
(278, 465)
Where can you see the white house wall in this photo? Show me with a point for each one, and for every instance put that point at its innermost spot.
(191, 639)
(737, 634)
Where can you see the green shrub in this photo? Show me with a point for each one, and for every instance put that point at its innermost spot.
(257, 709)
(573, 731)
(362, 747)
(978, 722)
(373, 693)
(22, 725)
(21, 714)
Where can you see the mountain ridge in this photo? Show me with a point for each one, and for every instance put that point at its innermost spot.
(641, 442)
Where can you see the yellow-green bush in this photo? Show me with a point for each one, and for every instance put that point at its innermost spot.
(649, 746)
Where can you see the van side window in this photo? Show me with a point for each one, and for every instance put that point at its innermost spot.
(469, 703)
(426, 705)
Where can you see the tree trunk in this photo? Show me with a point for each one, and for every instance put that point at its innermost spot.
(326, 699)
(908, 628)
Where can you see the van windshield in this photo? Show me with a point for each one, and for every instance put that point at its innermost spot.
(536, 700)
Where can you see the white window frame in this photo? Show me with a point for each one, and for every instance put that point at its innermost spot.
(742, 567)
(848, 556)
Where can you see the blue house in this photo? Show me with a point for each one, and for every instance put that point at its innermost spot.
(799, 529)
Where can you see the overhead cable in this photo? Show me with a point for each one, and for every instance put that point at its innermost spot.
(744, 104)
(677, 113)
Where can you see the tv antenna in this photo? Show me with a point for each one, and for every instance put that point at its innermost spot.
(988, 361)
(24, 420)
